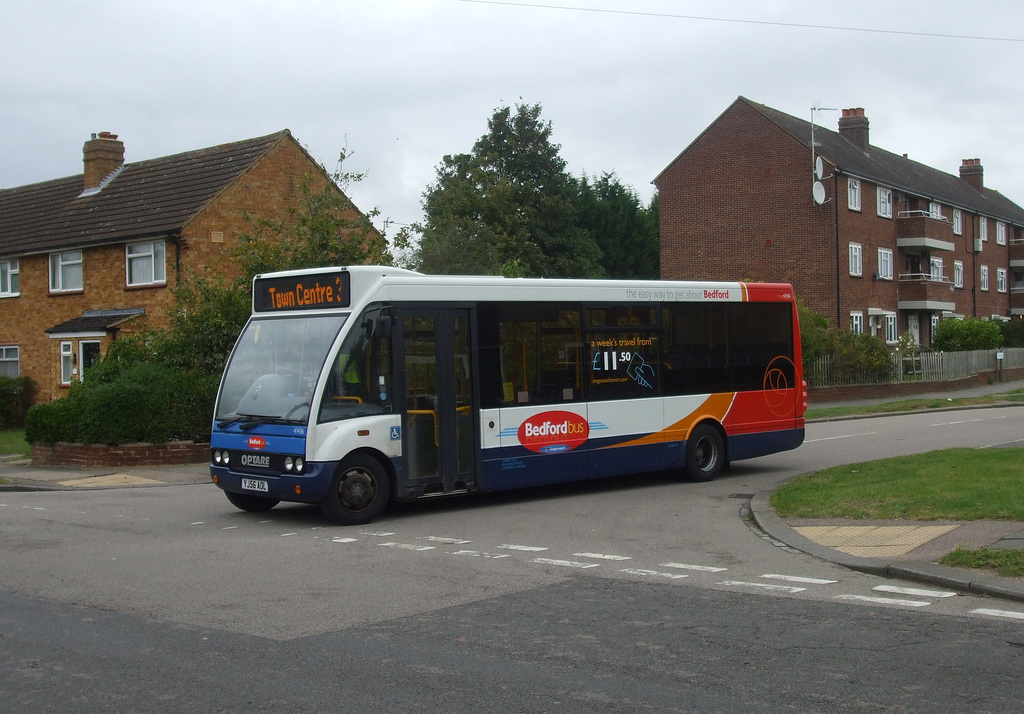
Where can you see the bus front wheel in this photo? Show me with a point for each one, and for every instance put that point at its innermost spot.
(705, 453)
(359, 491)
(252, 504)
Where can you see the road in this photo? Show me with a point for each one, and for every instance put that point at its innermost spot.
(622, 595)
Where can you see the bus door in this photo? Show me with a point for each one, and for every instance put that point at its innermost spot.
(439, 416)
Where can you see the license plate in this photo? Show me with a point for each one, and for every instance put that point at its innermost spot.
(252, 484)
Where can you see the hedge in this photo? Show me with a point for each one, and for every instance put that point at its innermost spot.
(16, 394)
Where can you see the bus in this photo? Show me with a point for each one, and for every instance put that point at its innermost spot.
(352, 387)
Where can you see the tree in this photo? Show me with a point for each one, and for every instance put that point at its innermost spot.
(507, 206)
(622, 228)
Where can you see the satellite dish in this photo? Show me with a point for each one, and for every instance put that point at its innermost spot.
(819, 168)
(818, 192)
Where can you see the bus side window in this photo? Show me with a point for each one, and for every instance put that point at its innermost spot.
(359, 377)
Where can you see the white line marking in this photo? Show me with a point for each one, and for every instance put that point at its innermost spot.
(344, 540)
(701, 568)
(601, 556)
(998, 613)
(636, 571)
(285, 535)
(529, 548)
(407, 546)
(764, 586)
(884, 600)
(379, 534)
(798, 579)
(266, 521)
(446, 541)
(481, 554)
(913, 591)
(564, 563)
(198, 523)
(844, 436)
(228, 528)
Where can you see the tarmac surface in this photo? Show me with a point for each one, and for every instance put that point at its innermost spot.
(907, 550)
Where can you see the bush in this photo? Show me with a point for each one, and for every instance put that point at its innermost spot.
(143, 403)
(970, 334)
(1013, 332)
(16, 394)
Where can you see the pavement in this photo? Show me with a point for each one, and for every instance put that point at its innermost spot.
(907, 550)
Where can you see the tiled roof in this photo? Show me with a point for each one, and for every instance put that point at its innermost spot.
(147, 198)
(893, 170)
(96, 321)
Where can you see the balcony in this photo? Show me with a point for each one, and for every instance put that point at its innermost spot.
(1017, 252)
(1017, 299)
(924, 291)
(919, 231)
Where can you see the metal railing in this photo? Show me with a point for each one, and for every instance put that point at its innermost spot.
(830, 371)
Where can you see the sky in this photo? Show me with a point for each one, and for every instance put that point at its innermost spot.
(398, 84)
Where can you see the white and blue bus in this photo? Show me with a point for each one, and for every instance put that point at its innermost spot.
(352, 387)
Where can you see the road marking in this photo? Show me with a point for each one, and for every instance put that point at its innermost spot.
(844, 436)
(765, 586)
(528, 548)
(379, 534)
(198, 523)
(798, 579)
(701, 568)
(998, 613)
(564, 563)
(228, 528)
(344, 540)
(601, 556)
(655, 573)
(446, 541)
(285, 535)
(406, 546)
(913, 591)
(481, 554)
(884, 600)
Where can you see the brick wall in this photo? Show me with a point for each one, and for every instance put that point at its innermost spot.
(101, 456)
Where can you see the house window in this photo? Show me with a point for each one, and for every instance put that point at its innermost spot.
(958, 273)
(958, 222)
(935, 210)
(936, 269)
(145, 264)
(66, 271)
(67, 362)
(857, 322)
(853, 194)
(856, 259)
(890, 329)
(8, 278)
(1001, 280)
(885, 263)
(1000, 233)
(984, 277)
(983, 228)
(884, 202)
(9, 363)
(935, 324)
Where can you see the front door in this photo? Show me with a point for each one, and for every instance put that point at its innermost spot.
(439, 435)
(914, 327)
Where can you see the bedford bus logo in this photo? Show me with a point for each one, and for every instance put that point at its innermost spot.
(553, 432)
(256, 443)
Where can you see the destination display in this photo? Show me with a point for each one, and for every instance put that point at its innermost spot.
(302, 292)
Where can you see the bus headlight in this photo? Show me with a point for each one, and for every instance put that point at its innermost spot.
(299, 464)
(294, 464)
(289, 464)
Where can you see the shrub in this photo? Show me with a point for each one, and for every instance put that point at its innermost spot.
(16, 394)
(1013, 332)
(50, 422)
(970, 334)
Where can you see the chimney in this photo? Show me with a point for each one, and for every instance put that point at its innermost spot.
(102, 154)
(973, 173)
(853, 126)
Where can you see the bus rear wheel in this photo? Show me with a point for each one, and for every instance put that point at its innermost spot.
(359, 491)
(252, 504)
(705, 453)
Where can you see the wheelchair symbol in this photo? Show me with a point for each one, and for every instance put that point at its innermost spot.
(396, 433)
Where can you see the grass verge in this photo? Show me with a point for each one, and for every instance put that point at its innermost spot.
(910, 405)
(1006, 562)
(953, 484)
(12, 443)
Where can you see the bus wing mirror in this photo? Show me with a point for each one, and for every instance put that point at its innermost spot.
(382, 326)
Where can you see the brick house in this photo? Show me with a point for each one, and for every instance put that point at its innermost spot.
(876, 242)
(87, 257)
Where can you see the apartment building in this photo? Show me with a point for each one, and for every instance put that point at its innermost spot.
(872, 239)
